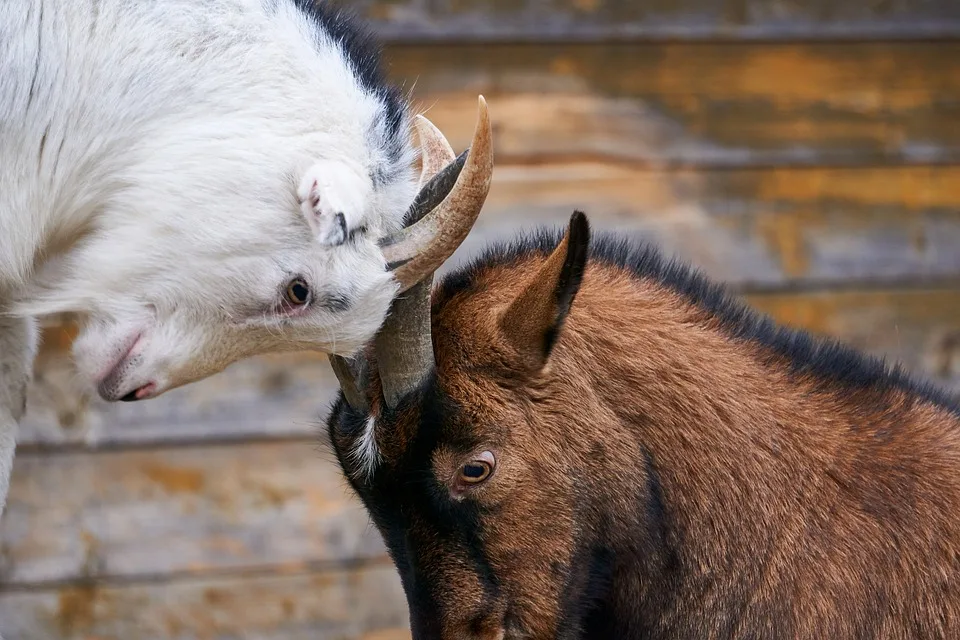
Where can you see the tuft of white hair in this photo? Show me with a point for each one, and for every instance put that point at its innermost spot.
(365, 453)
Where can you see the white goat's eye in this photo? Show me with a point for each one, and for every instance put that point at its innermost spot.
(297, 292)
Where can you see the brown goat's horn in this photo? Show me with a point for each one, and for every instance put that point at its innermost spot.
(420, 249)
(348, 382)
(452, 192)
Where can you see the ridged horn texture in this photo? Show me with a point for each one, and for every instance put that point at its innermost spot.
(348, 381)
(451, 195)
(422, 247)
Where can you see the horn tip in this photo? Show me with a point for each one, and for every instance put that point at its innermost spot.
(421, 123)
(483, 117)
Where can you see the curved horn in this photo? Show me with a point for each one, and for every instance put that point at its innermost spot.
(348, 382)
(452, 192)
(435, 152)
(420, 249)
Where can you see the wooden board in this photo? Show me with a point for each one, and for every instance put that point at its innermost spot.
(184, 511)
(364, 603)
(920, 327)
(279, 396)
(567, 20)
(694, 146)
(154, 529)
(751, 229)
(710, 104)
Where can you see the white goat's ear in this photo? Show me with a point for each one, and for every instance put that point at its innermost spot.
(333, 199)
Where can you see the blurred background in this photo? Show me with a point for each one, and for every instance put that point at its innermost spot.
(807, 152)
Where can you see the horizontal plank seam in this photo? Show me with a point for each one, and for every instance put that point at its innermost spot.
(414, 37)
(45, 450)
(948, 34)
(507, 159)
(906, 284)
(307, 568)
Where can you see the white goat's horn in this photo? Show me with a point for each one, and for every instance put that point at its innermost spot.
(451, 194)
(418, 250)
(435, 152)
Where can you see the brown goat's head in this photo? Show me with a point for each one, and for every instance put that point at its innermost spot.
(557, 447)
(502, 415)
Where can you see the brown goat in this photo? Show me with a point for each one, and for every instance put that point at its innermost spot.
(609, 446)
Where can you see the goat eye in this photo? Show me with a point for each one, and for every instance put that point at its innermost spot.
(476, 471)
(297, 292)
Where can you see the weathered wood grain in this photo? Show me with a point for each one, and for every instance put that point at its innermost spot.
(749, 228)
(822, 177)
(624, 132)
(180, 510)
(537, 20)
(366, 603)
(727, 105)
(278, 396)
(918, 327)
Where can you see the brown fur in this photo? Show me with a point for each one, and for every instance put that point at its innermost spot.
(656, 471)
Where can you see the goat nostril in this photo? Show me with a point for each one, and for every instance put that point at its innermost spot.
(130, 397)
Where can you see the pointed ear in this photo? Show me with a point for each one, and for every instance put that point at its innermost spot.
(532, 322)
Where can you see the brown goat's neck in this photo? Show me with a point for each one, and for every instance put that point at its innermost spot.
(713, 469)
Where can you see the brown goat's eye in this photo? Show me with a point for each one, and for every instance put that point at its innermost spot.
(476, 471)
(297, 292)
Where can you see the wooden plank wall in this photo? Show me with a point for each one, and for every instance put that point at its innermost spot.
(807, 152)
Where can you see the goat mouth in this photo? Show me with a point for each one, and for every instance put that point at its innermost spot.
(110, 383)
(141, 393)
(115, 365)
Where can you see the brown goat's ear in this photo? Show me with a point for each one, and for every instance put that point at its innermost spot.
(532, 322)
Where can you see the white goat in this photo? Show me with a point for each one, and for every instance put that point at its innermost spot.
(199, 181)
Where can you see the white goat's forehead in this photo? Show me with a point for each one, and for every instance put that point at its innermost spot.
(265, 236)
(260, 272)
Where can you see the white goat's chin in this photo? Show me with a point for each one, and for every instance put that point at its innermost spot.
(111, 356)
(124, 380)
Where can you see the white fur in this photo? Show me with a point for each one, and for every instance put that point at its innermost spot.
(166, 168)
(366, 453)
(17, 341)
(328, 189)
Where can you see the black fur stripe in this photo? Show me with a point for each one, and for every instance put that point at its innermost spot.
(363, 52)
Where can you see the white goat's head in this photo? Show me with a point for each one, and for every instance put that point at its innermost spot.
(165, 300)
